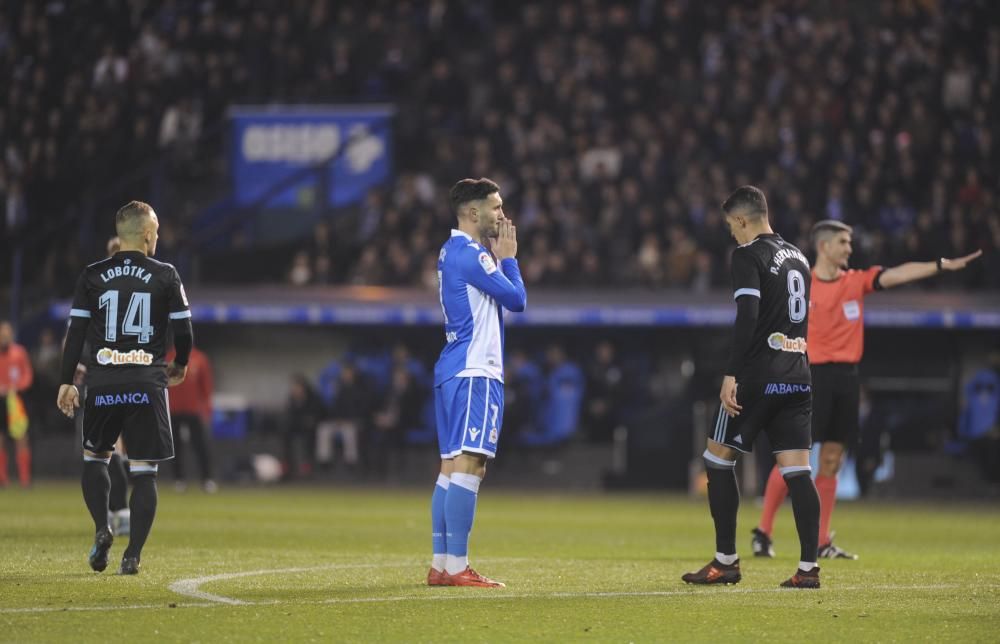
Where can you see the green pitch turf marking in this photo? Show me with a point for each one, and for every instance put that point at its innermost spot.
(328, 564)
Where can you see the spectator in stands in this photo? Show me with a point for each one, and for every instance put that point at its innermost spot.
(305, 410)
(840, 110)
(347, 418)
(301, 272)
(605, 393)
(523, 383)
(559, 415)
(46, 360)
(191, 419)
(399, 410)
(979, 423)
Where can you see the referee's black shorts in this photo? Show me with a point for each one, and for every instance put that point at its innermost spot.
(836, 400)
(138, 413)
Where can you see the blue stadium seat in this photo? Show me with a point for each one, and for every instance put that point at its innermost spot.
(981, 412)
(376, 367)
(327, 382)
(426, 432)
(560, 412)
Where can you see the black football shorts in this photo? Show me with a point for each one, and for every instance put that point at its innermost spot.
(138, 413)
(782, 410)
(836, 403)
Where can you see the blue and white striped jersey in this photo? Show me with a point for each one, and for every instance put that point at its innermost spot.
(473, 290)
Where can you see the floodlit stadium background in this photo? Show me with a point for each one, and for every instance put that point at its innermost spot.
(299, 156)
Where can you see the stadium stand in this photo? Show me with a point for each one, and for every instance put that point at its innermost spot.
(615, 128)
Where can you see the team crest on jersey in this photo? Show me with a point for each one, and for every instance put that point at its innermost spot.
(106, 356)
(781, 342)
(487, 263)
(494, 435)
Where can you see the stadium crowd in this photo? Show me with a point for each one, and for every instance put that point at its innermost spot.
(613, 128)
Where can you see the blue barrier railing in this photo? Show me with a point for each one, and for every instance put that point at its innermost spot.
(541, 314)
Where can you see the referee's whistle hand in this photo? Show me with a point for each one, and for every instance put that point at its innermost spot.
(728, 396)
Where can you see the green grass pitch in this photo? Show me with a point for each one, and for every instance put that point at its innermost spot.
(323, 564)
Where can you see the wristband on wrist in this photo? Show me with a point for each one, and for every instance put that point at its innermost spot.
(940, 260)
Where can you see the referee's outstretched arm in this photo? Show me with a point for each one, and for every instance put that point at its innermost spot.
(914, 271)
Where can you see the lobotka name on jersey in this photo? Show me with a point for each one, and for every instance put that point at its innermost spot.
(783, 256)
(131, 270)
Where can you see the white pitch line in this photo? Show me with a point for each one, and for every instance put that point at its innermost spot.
(190, 587)
(490, 595)
(82, 609)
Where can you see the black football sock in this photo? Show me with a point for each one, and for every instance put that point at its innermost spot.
(96, 485)
(805, 507)
(724, 501)
(119, 483)
(143, 510)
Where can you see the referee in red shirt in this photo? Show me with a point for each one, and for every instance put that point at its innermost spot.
(191, 407)
(835, 342)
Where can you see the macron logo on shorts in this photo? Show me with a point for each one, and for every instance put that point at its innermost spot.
(135, 398)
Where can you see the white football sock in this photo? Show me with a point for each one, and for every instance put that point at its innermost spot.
(728, 560)
(806, 566)
(455, 564)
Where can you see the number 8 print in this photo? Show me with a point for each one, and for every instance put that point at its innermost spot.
(797, 305)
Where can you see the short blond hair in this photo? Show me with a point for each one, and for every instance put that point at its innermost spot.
(130, 219)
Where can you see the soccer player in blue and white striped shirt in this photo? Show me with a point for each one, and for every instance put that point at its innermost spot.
(468, 377)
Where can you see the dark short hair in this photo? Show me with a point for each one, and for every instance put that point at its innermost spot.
(748, 199)
(468, 190)
(823, 229)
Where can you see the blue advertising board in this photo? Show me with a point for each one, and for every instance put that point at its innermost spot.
(362, 313)
(284, 155)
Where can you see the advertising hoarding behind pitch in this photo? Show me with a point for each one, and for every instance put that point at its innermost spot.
(273, 148)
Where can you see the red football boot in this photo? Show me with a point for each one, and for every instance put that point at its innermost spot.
(437, 578)
(470, 577)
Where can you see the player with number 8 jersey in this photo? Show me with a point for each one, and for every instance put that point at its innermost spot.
(766, 387)
(777, 274)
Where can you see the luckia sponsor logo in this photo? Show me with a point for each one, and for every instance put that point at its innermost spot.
(106, 356)
(781, 342)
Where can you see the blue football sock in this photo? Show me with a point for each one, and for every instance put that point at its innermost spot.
(438, 540)
(459, 512)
